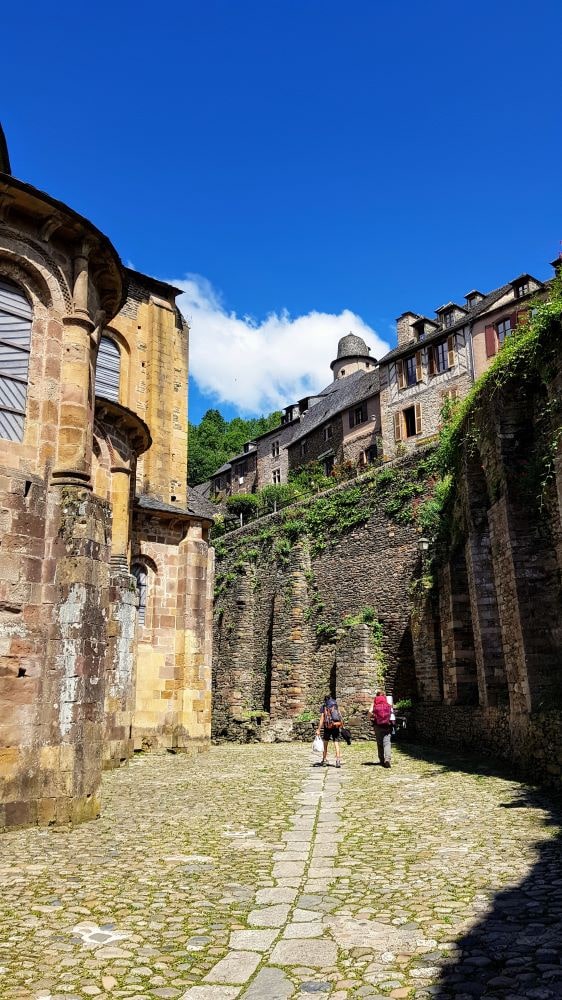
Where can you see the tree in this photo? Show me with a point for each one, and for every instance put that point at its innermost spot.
(215, 441)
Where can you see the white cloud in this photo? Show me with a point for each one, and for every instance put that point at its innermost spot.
(261, 366)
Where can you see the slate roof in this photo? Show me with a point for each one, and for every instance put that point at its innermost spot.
(471, 314)
(337, 396)
(197, 506)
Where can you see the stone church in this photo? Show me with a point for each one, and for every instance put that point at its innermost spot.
(106, 575)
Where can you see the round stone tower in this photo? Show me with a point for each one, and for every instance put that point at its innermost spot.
(353, 356)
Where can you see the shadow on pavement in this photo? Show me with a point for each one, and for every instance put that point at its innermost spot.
(515, 950)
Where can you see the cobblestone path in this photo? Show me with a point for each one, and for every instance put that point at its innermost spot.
(250, 874)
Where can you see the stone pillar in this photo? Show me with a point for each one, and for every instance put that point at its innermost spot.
(447, 636)
(508, 606)
(193, 640)
(427, 651)
(357, 676)
(120, 668)
(488, 649)
(71, 703)
(292, 649)
(121, 513)
(74, 446)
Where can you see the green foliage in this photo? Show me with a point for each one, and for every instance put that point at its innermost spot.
(306, 716)
(310, 478)
(247, 504)
(367, 616)
(430, 512)
(215, 441)
(325, 632)
(282, 550)
(403, 704)
(277, 496)
(293, 529)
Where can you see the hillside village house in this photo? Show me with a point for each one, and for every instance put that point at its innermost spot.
(105, 572)
(376, 411)
(439, 359)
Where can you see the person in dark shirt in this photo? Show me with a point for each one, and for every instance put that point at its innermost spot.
(329, 727)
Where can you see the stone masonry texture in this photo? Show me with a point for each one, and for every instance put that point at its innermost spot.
(79, 455)
(253, 873)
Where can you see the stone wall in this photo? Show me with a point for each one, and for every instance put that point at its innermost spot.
(488, 643)
(280, 638)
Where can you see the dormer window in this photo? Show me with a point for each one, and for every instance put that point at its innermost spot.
(448, 320)
(522, 289)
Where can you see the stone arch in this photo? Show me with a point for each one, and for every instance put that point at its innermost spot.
(38, 273)
(146, 562)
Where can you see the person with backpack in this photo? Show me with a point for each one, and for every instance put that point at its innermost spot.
(381, 714)
(329, 726)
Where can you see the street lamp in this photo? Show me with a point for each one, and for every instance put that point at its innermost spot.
(423, 545)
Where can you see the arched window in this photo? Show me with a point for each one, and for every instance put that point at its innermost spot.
(15, 344)
(108, 370)
(140, 574)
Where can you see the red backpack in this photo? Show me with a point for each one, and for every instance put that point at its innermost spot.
(381, 711)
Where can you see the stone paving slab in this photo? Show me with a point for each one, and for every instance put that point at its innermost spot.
(252, 940)
(236, 967)
(315, 952)
(441, 879)
(270, 984)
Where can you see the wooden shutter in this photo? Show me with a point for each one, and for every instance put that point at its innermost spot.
(351, 419)
(522, 316)
(513, 320)
(419, 369)
(451, 353)
(418, 418)
(431, 360)
(491, 341)
(15, 345)
(397, 427)
(401, 375)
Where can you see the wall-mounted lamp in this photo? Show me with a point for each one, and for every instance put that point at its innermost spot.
(423, 545)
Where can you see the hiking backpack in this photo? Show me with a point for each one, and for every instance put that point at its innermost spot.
(332, 717)
(382, 711)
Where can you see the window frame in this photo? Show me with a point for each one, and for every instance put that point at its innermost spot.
(139, 564)
(22, 313)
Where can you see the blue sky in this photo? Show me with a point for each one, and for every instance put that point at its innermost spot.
(302, 166)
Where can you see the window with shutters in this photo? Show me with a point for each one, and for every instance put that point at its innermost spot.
(408, 422)
(441, 357)
(15, 344)
(140, 573)
(411, 372)
(357, 416)
(503, 329)
(409, 415)
(108, 370)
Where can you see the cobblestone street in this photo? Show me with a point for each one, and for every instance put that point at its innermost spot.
(248, 872)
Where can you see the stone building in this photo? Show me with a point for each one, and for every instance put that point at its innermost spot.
(105, 571)
(339, 424)
(439, 359)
